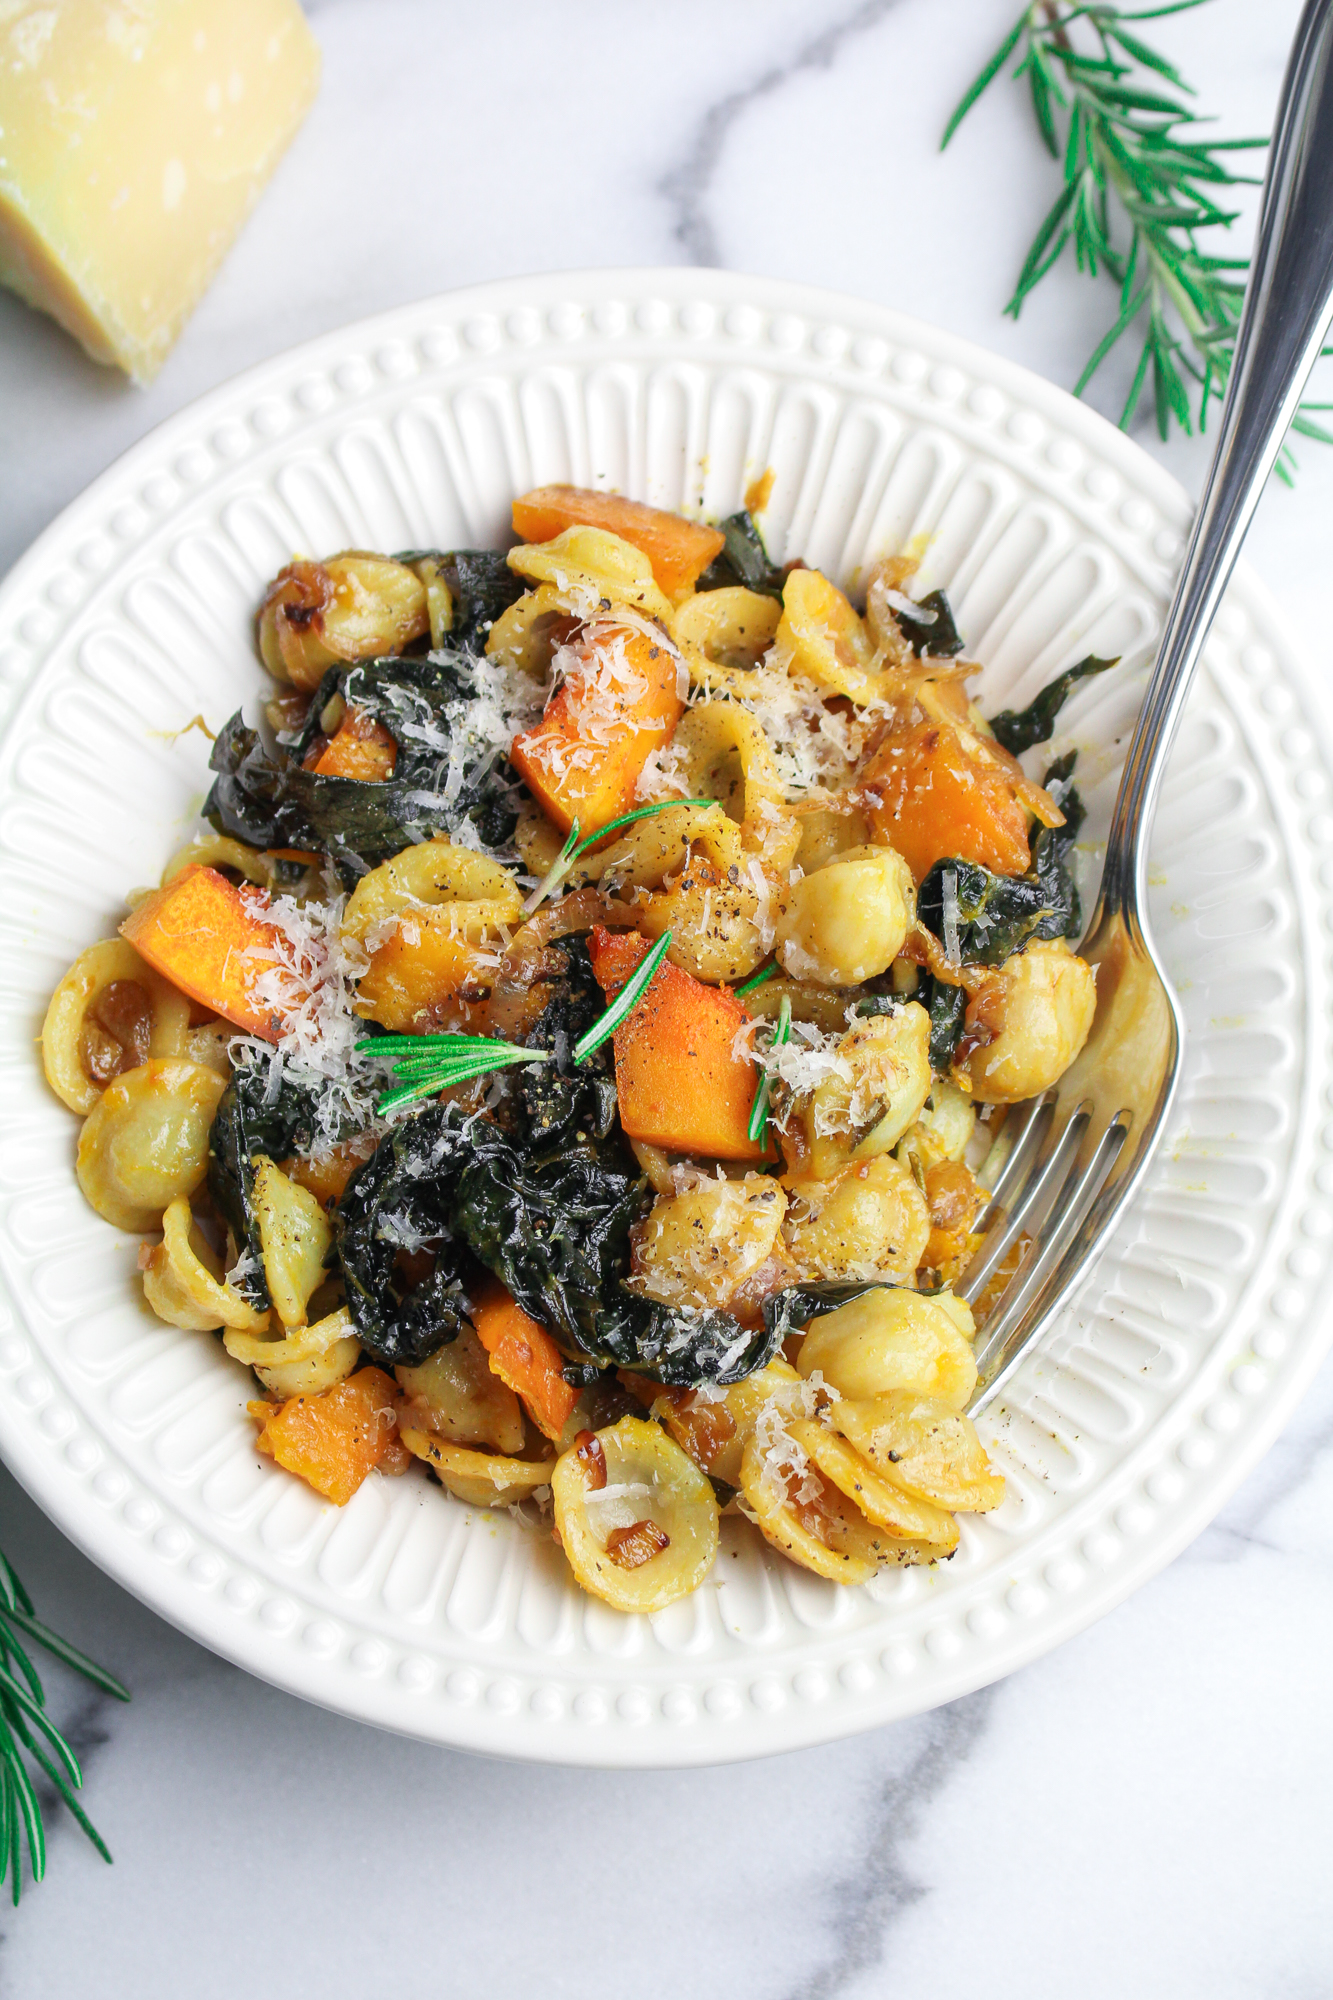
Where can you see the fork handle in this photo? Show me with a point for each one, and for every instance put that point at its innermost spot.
(1284, 323)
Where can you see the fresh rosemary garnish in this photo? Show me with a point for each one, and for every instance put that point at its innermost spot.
(427, 1064)
(574, 847)
(756, 979)
(1137, 187)
(625, 1001)
(759, 1108)
(23, 1719)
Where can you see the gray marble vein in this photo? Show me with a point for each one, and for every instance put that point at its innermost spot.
(689, 185)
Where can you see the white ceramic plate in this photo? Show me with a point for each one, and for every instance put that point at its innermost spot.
(1055, 536)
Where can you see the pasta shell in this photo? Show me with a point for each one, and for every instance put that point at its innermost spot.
(885, 1505)
(145, 1142)
(457, 1395)
(808, 1519)
(295, 1238)
(482, 1478)
(893, 1339)
(650, 1485)
(183, 1282)
(92, 972)
(924, 1446)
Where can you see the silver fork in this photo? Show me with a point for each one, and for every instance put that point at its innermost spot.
(1074, 1157)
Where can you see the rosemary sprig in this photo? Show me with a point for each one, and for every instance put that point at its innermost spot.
(1138, 185)
(625, 1001)
(574, 846)
(427, 1064)
(23, 1721)
(759, 1108)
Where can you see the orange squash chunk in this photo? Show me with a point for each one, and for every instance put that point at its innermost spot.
(930, 798)
(362, 748)
(526, 1359)
(198, 932)
(583, 760)
(422, 980)
(677, 1081)
(679, 550)
(335, 1439)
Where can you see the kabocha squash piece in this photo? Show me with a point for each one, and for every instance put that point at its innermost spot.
(678, 1081)
(200, 933)
(360, 748)
(335, 1439)
(525, 1358)
(422, 981)
(933, 800)
(619, 704)
(679, 550)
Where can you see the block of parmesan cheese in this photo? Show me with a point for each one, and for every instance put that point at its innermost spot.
(135, 136)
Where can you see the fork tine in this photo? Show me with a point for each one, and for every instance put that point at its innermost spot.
(1059, 1249)
(1026, 1208)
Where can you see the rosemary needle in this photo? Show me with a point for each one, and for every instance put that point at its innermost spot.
(574, 846)
(759, 1108)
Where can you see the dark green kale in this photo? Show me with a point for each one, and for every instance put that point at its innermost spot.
(946, 1006)
(999, 914)
(790, 1311)
(1018, 729)
(481, 584)
(557, 1104)
(269, 1109)
(447, 770)
(743, 561)
(935, 632)
(393, 1209)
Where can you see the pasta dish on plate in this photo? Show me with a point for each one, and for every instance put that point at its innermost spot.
(574, 1054)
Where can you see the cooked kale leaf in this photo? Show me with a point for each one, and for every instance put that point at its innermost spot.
(446, 770)
(946, 1006)
(787, 1312)
(553, 1226)
(936, 633)
(1018, 729)
(744, 560)
(393, 1208)
(268, 1109)
(481, 584)
(558, 1104)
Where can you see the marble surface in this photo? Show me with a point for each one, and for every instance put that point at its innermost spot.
(1144, 1809)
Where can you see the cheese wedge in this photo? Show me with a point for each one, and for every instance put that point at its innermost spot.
(135, 137)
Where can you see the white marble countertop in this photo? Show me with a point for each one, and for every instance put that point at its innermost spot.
(1144, 1810)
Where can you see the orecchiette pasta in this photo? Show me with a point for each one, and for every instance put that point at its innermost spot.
(807, 1517)
(432, 921)
(883, 1504)
(481, 1478)
(724, 634)
(870, 1220)
(924, 1445)
(636, 1518)
(866, 1105)
(109, 1013)
(894, 1339)
(1027, 1025)
(456, 1395)
(846, 923)
(710, 1244)
(295, 1237)
(354, 606)
(183, 1280)
(597, 563)
(306, 1361)
(146, 1140)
